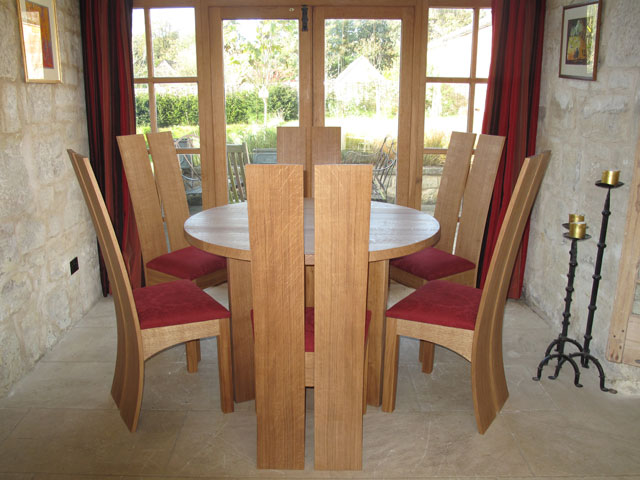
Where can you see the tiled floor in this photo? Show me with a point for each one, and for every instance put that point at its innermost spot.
(60, 422)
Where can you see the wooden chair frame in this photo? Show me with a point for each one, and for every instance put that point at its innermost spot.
(482, 346)
(135, 346)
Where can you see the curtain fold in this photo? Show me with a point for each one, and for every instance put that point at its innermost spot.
(511, 110)
(108, 80)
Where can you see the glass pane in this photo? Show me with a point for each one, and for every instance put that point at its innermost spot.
(478, 107)
(174, 42)
(484, 44)
(362, 78)
(445, 111)
(139, 44)
(191, 176)
(450, 40)
(141, 92)
(261, 83)
(177, 108)
(431, 174)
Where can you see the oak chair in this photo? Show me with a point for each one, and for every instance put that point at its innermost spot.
(465, 319)
(154, 318)
(439, 263)
(151, 195)
(237, 160)
(297, 346)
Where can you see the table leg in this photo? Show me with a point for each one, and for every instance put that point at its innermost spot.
(377, 293)
(240, 302)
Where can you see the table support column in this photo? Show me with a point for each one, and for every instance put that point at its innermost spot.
(240, 302)
(377, 293)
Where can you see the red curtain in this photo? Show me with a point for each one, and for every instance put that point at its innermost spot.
(512, 110)
(108, 80)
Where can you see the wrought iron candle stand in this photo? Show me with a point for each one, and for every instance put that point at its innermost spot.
(583, 352)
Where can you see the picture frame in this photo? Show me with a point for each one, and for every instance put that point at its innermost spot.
(39, 39)
(580, 40)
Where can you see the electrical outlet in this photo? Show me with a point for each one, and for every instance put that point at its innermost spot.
(73, 265)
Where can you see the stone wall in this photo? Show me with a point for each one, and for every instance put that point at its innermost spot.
(44, 223)
(589, 127)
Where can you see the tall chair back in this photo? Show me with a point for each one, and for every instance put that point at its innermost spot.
(308, 146)
(168, 177)
(342, 213)
(477, 197)
(276, 234)
(144, 197)
(452, 183)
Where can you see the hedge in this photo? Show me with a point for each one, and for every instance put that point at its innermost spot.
(242, 107)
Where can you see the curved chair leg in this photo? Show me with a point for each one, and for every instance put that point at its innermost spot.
(489, 391)
(224, 366)
(117, 385)
(131, 398)
(390, 379)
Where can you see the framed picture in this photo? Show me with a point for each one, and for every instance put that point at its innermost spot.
(39, 34)
(580, 40)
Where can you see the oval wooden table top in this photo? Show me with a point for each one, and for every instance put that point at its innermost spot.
(394, 231)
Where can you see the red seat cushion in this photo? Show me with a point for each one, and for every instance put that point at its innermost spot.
(309, 337)
(175, 303)
(189, 263)
(432, 264)
(440, 303)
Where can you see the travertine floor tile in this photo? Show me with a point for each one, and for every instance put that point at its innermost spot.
(90, 442)
(64, 385)
(566, 443)
(85, 344)
(9, 419)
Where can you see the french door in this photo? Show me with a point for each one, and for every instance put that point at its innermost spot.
(352, 68)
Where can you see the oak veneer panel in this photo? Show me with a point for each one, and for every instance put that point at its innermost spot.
(452, 183)
(275, 205)
(342, 211)
(144, 196)
(168, 177)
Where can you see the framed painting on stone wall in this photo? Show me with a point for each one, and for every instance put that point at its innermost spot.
(580, 40)
(39, 35)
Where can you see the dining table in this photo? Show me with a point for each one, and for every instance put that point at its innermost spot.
(394, 231)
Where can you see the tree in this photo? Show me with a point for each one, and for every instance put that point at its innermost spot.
(377, 40)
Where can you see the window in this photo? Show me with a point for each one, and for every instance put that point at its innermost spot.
(166, 88)
(458, 59)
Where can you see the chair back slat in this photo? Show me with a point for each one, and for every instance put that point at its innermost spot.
(237, 159)
(144, 196)
(130, 358)
(168, 176)
(308, 146)
(477, 196)
(342, 213)
(487, 366)
(276, 234)
(452, 183)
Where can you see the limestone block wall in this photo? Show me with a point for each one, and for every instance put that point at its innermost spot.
(589, 127)
(44, 223)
